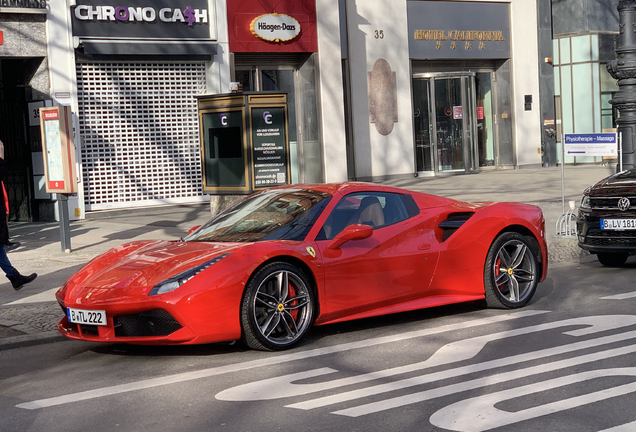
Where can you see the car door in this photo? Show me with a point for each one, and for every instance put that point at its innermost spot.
(394, 265)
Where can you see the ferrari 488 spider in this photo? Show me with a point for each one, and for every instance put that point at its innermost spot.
(281, 260)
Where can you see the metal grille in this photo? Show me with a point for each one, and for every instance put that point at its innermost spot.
(607, 203)
(624, 242)
(138, 121)
(593, 232)
(156, 322)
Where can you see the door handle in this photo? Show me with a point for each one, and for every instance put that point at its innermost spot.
(424, 246)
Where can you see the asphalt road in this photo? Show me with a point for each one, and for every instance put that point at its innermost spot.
(566, 362)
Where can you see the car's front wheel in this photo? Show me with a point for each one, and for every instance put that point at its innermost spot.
(612, 259)
(277, 308)
(511, 272)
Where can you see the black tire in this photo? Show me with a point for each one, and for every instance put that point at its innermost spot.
(612, 259)
(511, 272)
(277, 308)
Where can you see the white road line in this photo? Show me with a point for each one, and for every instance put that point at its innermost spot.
(46, 296)
(480, 413)
(627, 427)
(454, 352)
(620, 296)
(187, 376)
(452, 373)
(409, 399)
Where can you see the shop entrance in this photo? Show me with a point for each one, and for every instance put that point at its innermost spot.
(445, 121)
(296, 76)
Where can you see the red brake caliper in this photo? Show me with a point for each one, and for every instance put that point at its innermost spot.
(497, 270)
(292, 294)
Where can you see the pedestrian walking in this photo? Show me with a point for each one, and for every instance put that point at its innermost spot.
(10, 245)
(17, 280)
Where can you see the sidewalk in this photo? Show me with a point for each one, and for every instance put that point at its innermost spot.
(29, 316)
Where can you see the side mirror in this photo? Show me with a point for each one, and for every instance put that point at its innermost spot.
(352, 232)
(193, 229)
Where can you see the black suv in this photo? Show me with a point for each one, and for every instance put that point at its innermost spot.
(606, 223)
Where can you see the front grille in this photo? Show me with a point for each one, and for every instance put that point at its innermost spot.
(623, 242)
(607, 203)
(595, 232)
(156, 322)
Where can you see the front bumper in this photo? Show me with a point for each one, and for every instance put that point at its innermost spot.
(155, 326)
(593, 239)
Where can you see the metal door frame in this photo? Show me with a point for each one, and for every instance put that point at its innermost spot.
(469, 101)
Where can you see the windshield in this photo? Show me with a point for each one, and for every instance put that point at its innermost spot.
(275, 214)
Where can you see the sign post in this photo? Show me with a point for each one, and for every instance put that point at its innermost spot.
(59, 162)
(588, 144)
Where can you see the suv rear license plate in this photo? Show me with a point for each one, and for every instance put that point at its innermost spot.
(618, 224)
(80, 316)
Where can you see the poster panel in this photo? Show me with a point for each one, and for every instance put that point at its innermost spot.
(269, 146)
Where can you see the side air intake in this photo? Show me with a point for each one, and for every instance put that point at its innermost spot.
(453, 222)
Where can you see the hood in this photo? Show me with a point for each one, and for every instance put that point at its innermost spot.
(134, 268)
(619, 184)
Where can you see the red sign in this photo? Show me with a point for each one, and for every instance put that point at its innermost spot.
(56, 184)
(458, 112)
(50, 115)
(241, 15)
(1, 37)
(480, 113)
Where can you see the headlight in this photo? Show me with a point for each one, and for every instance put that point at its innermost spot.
(176, 281)
(585, 202)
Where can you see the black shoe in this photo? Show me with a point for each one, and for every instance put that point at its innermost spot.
(11, 246)
(18, 281)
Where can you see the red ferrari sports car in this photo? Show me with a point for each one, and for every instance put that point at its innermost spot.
(281, 260)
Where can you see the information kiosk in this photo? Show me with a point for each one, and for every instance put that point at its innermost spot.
(244, 142)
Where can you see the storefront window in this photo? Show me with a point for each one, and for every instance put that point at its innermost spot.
(485, 124)
(311, 148)
(283, 80)
(504, 114)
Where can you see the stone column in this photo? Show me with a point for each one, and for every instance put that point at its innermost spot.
(624, 70)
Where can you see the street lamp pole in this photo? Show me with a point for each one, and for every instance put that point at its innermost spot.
(624, 70)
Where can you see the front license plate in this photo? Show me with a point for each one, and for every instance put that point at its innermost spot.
(80, 316)
(618, 224)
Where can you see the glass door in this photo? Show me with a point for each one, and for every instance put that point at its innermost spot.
(449, 122)
(423, 126)
(485, 119)
(445, 123)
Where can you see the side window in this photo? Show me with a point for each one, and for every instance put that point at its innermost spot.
(376, 209)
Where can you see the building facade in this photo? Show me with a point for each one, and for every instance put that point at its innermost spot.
(375, 89)
(585, 36)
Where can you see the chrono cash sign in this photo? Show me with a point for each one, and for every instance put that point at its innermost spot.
(275, 27)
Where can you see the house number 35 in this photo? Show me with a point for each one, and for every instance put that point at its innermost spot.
(379, 34)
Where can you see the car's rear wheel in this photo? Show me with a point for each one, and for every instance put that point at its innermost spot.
(277, 308)
(511, 273)
(612, 259)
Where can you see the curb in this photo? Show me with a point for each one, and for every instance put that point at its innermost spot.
(30, 340)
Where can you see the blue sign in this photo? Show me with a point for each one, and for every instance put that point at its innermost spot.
(591, 144)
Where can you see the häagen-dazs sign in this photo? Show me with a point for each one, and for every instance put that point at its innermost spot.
(275, 27)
